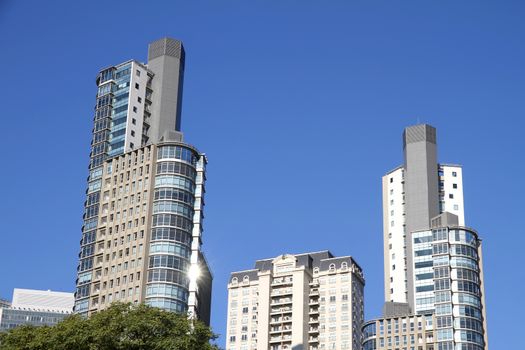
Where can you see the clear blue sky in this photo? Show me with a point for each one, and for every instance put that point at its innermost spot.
(299, 105)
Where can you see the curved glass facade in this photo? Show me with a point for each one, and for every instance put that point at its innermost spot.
(448, 293)
(466, 290)
(172, 225)
(369, 336)
(448, 283)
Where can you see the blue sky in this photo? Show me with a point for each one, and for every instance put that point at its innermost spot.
(299, 105)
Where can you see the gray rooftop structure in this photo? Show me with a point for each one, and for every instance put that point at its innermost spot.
(166, 59)
(393, 309)
(321, 260)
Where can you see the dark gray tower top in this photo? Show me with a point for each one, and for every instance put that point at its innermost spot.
(421, 188)
(419, 133)
(166, 58)
(421, 176)
(166, 47)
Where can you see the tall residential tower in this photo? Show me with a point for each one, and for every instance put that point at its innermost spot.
(142, 224)
(434, 288)
(413, 194)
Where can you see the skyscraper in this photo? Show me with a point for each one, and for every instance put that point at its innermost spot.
(413, 194)
(142, 231)
(432, 261)
(296, 302)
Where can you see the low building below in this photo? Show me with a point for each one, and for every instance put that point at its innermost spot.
(35, 307)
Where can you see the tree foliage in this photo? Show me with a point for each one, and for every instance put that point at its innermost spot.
(120, 327)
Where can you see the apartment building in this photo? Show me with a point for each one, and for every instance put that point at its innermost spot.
(296, 302)
(432, 260)
(142, 223)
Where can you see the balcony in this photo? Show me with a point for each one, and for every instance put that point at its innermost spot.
(278, 330)
(314, 312)
(281, 310)
(279, 339)
(282, 283)
(281, 320)
(313, 340)
(313, 321)
(314, 292)
(313, 330)
(281, 291)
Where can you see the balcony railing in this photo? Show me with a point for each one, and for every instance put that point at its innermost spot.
(279, 339)
(280, 320)
(281, 291)
(313, 340)
(281, 310)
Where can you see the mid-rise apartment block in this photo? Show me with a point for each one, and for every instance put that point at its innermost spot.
(35, 307)
(433, 261)
(142, 224)
(399, 329)
(296, 302)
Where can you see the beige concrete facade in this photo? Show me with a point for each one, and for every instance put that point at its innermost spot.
(410, 332)
(135, 259)
(122, 239)
(296, 302)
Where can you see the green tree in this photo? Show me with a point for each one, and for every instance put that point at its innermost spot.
(120, 327)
